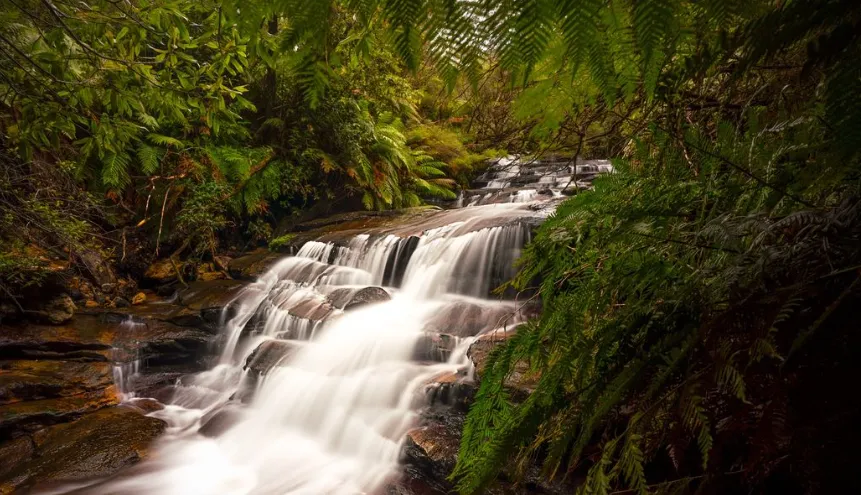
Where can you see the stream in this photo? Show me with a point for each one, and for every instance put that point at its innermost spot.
(353, 333)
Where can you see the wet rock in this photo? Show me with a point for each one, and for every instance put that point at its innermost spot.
(216, 423)
(212, 294)
(121, 302)
(20, 417)
(97, 445)
(86, 338)
(520, 382)
(28, 380)
(163, 343)
(145, 405)
(452, 389)
(14, 453)
(91, 304)
(56, 311)
(347, 298)
(467, 318)
(430, 451)
(269, 354)
(312, 309)
(139, 298)
(252, 265)
(434, 347)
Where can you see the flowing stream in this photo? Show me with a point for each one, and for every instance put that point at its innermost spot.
(331, 415)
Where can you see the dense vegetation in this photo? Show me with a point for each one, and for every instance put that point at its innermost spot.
(698, 305)
(141, 129)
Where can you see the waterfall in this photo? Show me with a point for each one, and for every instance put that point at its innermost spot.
(344, 382)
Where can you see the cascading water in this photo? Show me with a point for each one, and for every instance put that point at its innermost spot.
(332, 415)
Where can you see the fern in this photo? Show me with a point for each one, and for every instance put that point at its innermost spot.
(115, 170)
(148, 157)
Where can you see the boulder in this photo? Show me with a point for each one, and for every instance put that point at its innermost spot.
(430, 452)
(221, 420)
(221, 262)
(520, 382)
(434, 347)
(269, 354)
(100, 270)
(451, 389)
(95, 446)
(347, 298)
(312, 309)
(139, 298)
(56, 311)
(160, 271)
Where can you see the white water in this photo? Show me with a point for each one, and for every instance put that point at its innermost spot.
(332, 416)
(125, 368)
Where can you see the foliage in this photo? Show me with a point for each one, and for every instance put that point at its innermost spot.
(446, 146)
(280, 242)
(202, 216)
(698, 299)
(154, 106)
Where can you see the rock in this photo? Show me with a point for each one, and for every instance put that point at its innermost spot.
(210, 276)
(252, 265)
(86, 338)
(18, 418)
(201, 295)
(520, 382)
(451, 389)
(312, 309)
(139, 298)
(121, 302)
(434, 347)
(160, 271)
(161, 343)
(57, 311)
(27, 380)
(13, 453)
(91, 304)
(430, 452)
(145, 405)
(109, 288)
(97, 445)
(346, 298)
(269, 354)
(468, 318)
(221, 262)
(100, 271)
(217, 422)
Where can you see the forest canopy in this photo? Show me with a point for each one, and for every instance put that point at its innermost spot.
(695, 302)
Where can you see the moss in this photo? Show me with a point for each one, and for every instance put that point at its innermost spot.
(279, 243)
